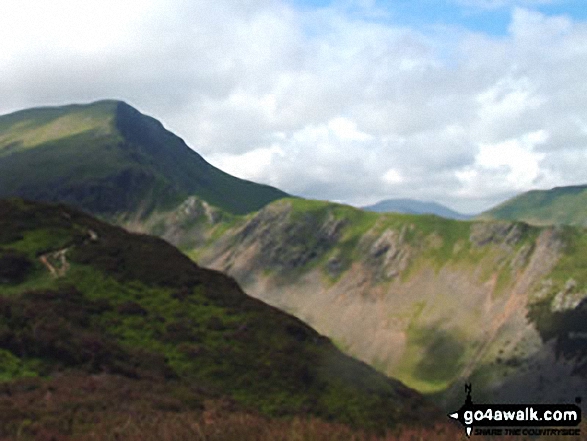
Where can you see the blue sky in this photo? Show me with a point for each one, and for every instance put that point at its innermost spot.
(462, 102)
(488, 16)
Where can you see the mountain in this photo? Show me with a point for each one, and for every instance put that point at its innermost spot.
(129, 318)
(431, 301)
(411, 206)
(109, 159)
(557, 206)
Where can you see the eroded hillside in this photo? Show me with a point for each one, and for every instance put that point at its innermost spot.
(427, 300)
(85, 300)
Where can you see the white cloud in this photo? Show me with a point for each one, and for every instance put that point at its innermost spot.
(393, 177)
(535, 28)
(514, 163)
(249, 165)
(346, 130)
(321, 102)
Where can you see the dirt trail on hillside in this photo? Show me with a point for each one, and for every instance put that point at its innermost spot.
(56, 261)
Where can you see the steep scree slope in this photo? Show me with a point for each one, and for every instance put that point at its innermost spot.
(431, 301)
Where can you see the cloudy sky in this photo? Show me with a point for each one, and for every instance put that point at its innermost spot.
(464, 102)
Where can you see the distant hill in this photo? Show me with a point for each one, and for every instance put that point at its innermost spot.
(139, 328)
(108, 158)
(411, 206)
(431, 301)
(558, 206)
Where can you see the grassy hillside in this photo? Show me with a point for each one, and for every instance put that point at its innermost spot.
(34, 127)
(558, 206)
(110, 159)
(80, 298)
(431, 301)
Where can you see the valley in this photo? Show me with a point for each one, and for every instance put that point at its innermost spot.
(428, 302)
(126, 309)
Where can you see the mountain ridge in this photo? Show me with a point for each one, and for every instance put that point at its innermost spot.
(413, 206)
(108, 158)
(434, 302)
(563, 205)
(399, 291)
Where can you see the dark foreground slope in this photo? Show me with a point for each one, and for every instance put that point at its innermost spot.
(557, 206)
(108, 158)
(112, 312)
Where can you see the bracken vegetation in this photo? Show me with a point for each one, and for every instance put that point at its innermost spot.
(106, 407)
(133, 310)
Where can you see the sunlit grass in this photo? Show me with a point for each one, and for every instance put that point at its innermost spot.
(46, 127)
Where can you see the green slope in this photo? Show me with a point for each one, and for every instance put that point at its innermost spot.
(433, 302)
(80, 295)
(108, 158)
(558, 206)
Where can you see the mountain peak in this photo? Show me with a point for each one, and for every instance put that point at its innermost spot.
(108, 158)
(41, 125)
(145, 130)
(412, 206)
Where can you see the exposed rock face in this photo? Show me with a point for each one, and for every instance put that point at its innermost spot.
(279, 241)
(187, 226)
(388, 253)
(193, 208)
(507, 233)
(431, 308)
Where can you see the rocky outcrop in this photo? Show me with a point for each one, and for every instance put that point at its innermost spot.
(431, 303)
(187, 226)
(506, 233)
(282, 242)
(388, 253)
